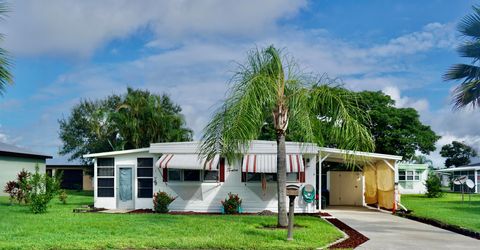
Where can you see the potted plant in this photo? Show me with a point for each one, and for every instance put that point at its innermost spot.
(232, 204)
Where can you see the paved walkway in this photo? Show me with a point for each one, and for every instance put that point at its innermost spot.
(387, 231)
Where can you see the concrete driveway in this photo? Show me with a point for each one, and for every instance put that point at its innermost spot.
(386, 231)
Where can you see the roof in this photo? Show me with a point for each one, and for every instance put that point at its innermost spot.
(411, 166)
(11, 150)
(463, 168)
(120, 152)
(339, 155)
(67, 166)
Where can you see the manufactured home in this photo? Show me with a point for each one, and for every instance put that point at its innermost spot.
(412, 177)
(128, 179)
(472, 172)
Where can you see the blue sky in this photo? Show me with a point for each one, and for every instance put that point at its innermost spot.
(69, 50)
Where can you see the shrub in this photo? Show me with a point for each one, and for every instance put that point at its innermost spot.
(62, 196)
(22, 178)
(433, 185)
(11, 188)
(161, 201)
(42, 189)
(231, 205)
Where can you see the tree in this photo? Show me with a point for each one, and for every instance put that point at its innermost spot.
(270, 87)
(457, 154)
(6, 77)
(468, 75)
(397, 131)
(422, 159)
(118, 122)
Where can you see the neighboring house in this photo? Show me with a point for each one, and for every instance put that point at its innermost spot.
(128, 179)
(412, 177)
(77, 177)
(472, 171)
(13, 159)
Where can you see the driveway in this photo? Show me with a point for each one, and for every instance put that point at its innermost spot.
(386, 231)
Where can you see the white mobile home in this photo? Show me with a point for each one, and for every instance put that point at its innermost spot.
(472, 172)
(412, 177)
(128, 179)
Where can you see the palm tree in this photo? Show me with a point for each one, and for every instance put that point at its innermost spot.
(6, 77)
(468, 92)
(270, 86)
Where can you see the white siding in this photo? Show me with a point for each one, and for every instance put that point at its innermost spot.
(207, 197)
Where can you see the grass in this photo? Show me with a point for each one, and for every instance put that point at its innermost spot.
(448, 209)
(59, 228)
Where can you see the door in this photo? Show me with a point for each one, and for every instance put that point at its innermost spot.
(125, 187)
(346, 188)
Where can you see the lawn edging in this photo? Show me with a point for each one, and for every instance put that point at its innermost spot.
(352, 238)
(442, 225)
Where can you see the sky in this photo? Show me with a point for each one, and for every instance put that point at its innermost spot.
(69, 50)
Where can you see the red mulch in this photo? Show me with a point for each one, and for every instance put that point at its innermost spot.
(354, 239)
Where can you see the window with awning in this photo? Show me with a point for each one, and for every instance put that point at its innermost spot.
(187, 161)
(267, 163)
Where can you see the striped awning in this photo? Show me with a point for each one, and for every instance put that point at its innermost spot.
(267, 163)
(187, 161)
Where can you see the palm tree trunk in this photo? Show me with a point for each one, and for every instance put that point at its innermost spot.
(281, 180)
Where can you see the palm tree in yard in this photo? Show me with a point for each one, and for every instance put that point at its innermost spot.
(468, 92)
(269, 86)
(6, 77)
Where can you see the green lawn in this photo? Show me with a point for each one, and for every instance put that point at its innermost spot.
(62, 229)
(448, 209)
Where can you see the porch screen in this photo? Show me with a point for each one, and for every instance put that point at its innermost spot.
(370, 184)
(125, 184)
(267, 163)
(385, 185)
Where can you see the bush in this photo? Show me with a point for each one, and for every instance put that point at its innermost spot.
(11, 188)
(62, 196)
(434, 186)
(161, 201)
(42, 189)
(231, 205)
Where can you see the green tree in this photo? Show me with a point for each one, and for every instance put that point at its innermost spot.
(271, 87)
(6, 77)
(457, 154)
(118, 122)
(397, 131)
(468, 75)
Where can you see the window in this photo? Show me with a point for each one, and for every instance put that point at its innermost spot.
(192, 175)
(292, 177)
(145, 177)
(105, 177)
(210, 176)
(410, 175)
(257, 177)
(401, 175)
(418, 173)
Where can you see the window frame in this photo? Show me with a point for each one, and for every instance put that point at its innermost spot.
(102, 177)
(201, 176)
(143, 178)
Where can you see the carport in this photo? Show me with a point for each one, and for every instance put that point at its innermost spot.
(372, 182)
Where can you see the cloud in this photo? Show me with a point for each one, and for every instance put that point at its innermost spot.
(420, 105)
(78, 28)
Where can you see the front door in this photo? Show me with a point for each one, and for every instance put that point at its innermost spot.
(125, 187)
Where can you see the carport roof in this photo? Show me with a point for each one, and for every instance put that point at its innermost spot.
(341, 155)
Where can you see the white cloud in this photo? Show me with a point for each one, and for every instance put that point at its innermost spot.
(70, 27)
(420, 105)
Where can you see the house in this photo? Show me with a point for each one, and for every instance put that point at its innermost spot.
(77, 177)
(13, 159)
(412, 177)
(128, 179)
(472, 172)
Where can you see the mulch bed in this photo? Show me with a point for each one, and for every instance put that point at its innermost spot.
(436, 223)
(354, 239)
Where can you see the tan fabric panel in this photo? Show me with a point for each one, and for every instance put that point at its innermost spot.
(385, 185)
(370, 184)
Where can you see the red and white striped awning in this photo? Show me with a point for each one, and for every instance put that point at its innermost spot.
(187, 161)
(267, 163)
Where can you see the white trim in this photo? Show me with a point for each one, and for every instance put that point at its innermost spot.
(360, 153)
(112, 153)
(468, 168)
(390, 165)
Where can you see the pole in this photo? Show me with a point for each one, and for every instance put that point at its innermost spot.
(290, 217)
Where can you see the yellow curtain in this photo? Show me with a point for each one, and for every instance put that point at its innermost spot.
(370, 184)
(385, 184)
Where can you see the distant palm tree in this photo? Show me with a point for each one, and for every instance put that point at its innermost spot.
(468, 92)
(6, 77)
(271, 87)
